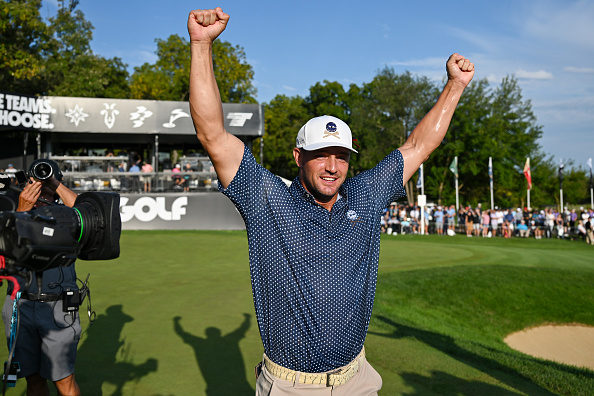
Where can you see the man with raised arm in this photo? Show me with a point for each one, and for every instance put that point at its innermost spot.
(313, 246)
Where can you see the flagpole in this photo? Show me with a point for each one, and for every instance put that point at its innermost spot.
(491, 182)
(422, 203)
(589, 162)
(422, 180)
(457, 200)
(561, 166)
(529, 181)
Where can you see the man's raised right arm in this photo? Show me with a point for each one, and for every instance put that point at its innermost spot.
(224, 149)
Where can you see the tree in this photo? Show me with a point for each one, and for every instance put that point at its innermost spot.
(469, 139)
(71, 67)
(283, 117)
(576, 185)
(22, 34)
(233, 74)
(384, 112)
(54, 58)
(487, 123)
(169, 78)
(328, 98)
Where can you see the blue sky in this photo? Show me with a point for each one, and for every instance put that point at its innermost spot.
(547, 45)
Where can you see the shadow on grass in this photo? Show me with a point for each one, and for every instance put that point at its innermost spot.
(219, 359)
(447, 384)
(96, 359)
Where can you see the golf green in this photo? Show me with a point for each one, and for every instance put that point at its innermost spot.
(174, 315)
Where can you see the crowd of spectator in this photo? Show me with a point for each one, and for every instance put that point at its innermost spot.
(487, 223)
(439, 220)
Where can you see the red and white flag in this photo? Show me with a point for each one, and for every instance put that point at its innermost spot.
(527, 173)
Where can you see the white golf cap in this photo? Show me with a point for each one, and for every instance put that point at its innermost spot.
(324, 131)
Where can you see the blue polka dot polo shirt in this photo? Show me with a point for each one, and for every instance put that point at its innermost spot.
(313, 271)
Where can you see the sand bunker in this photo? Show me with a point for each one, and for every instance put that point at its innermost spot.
(569, 344)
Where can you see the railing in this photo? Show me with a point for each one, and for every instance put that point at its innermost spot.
(136, 182)
(544, 232)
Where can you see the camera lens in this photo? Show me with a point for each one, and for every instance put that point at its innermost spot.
(42, 171)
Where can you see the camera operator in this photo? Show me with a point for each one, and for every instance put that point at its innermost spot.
(48, 336)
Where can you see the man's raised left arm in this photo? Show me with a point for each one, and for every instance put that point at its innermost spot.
(429, 133)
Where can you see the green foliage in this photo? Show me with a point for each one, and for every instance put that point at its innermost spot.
(385, 111)
(71, 67)
(328, 98)
(576, 185)
(283, 117)
(169, 77)
(22, 35)
(233, 74)
(54, 58)
(87, 76)
(487, 123)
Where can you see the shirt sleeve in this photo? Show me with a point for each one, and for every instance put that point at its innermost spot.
(251, 187)
(385, 179)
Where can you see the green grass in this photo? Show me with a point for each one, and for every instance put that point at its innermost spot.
(442, 309)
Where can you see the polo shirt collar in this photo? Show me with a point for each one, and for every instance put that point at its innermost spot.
(298, 190)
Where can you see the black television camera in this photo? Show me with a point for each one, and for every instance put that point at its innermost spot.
(55, 235)
(41, 169)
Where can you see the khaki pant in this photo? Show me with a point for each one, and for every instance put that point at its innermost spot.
(590, 237)
(367, 382)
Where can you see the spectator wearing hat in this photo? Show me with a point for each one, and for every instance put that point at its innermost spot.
(178, 181)
(10, 171)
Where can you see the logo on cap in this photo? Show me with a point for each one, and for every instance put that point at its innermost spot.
(331, 130)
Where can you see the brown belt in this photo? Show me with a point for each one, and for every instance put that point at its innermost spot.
(334, 378)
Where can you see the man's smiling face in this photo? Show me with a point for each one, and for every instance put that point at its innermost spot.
(322, 172)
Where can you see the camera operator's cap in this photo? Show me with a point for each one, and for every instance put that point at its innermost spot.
(324, 131)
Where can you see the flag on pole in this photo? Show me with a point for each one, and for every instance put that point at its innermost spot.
(589, 162)
(527, 173)
(491, 169)
(454, 166)
(420, 177)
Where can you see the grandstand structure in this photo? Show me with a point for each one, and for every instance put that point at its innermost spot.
(97, 140)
